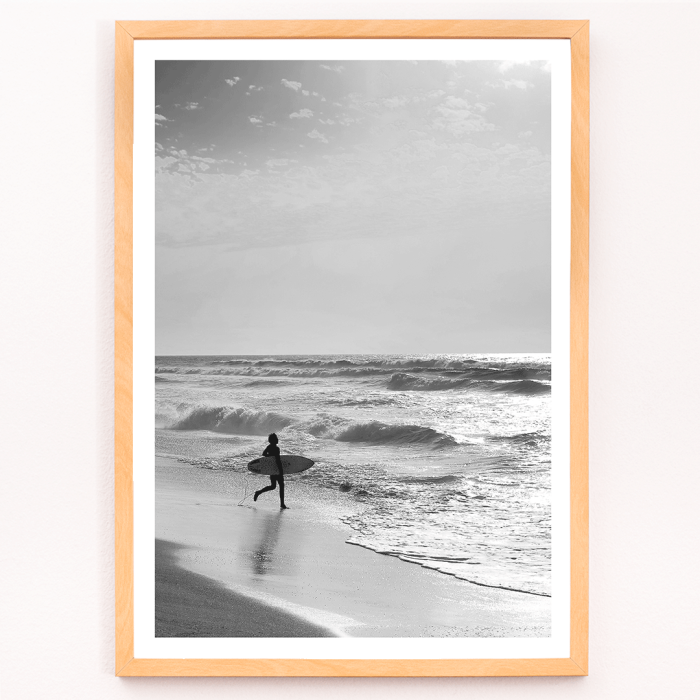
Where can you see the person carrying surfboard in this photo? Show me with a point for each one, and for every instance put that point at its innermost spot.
(272, 450)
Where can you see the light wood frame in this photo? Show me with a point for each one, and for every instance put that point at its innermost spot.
(126, 33)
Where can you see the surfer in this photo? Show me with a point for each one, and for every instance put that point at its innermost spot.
(273, 451)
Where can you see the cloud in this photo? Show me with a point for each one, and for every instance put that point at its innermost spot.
(192, 105)
(412, 155)
(520, 84)
(191, 167)
(232, 81)
(158, 147)
(430, 183)
(306, 93)
(302, 114)
(161, 118)
(278, 162)
(335, 69)
(456, 116)
(431, 95)
(291, 84)
(396, 102)
(162, 164)
(316, 134)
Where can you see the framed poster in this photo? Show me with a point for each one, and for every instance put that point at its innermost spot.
(357, 253)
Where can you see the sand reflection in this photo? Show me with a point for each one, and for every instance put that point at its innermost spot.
(266, 557)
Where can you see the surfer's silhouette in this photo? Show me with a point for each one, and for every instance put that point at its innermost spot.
(273, 451)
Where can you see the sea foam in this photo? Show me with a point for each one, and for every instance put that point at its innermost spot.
(234, 421)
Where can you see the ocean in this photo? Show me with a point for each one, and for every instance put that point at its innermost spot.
(439, 460)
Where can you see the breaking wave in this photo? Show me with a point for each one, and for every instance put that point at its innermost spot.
(533, 439)
(526, 386)
(234, 421)
(244, 421)
(265, 382)
(408, 382)
(382, 364)
(465, 368)
(262, 371)
(382, 434)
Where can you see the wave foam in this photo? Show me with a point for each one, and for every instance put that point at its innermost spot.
(524, 386)
(534, 438)
(444, 479)
(234, 421)
(407, 382)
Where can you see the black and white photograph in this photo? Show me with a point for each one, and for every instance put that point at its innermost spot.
(353, 348)
(343, 349)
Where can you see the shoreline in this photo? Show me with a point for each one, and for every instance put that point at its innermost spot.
(459, 578)
(297, 562)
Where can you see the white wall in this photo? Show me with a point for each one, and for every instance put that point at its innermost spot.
(56, 586)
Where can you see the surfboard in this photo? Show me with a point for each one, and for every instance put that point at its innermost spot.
(292, 464)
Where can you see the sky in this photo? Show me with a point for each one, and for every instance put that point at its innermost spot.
(355, 206)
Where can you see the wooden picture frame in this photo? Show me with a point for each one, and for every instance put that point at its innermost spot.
(127, 33)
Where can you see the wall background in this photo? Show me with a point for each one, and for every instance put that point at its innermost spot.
(56, 253)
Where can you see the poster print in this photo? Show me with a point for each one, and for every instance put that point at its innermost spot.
(352, 264)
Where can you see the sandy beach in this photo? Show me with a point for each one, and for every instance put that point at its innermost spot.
(251, 570)
(190, 605)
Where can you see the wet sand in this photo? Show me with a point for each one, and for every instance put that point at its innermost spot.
(190, 605)
(296, 565)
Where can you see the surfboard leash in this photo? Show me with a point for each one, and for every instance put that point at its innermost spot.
(246, 493)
